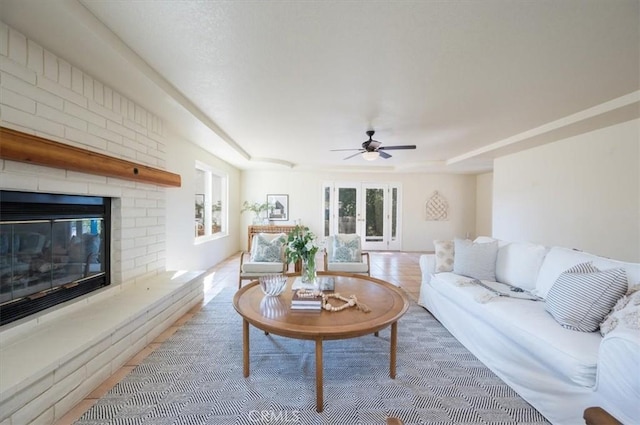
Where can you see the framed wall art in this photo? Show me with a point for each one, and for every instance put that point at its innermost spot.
(278, 207)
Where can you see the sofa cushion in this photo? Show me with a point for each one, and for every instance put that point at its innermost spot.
(583, 295)
(360, 267)
(476, 260)
(518, 264)
(267, 247)
(559, 259)
(261, 268)
(444, 251)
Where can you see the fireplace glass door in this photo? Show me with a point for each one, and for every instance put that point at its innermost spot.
(37, 256)
(53, 248)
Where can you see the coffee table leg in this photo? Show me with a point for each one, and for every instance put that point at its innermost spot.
(392, 356)
(245, 348)
(319, 383)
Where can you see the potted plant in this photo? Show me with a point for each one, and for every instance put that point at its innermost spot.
(257, 208)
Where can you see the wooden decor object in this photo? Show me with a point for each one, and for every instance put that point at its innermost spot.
(437, 208)
(23, 147)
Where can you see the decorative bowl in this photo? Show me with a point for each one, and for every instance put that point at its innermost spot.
(272, 284)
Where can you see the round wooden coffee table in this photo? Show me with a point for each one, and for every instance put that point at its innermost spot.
(273, 315)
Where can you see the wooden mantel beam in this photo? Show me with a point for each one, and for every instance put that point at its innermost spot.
(23, 147)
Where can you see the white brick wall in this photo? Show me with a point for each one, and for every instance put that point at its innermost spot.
(44, 95)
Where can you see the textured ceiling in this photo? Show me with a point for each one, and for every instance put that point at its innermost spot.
(263, 82)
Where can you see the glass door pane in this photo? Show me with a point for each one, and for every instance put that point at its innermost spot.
(394, 242)
(327, 211)
(347, 210)
(374, 217)
(394, 213)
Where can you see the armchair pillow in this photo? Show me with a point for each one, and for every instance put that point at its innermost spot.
(346, 249)
(582, 296)
(475, 260)
(268, 248)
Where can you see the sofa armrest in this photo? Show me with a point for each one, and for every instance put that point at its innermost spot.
(427, 267)
(617, 386)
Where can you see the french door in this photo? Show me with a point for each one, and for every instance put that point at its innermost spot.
(372, 210)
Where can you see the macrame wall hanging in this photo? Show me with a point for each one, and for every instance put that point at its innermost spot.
(437, 208)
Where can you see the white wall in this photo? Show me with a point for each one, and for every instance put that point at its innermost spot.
(305, 201)
(182, 252)
(484, 201)
(582, 192)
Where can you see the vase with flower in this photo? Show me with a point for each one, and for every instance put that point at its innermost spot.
(302, 246)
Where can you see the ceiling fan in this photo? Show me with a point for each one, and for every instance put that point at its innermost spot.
(371, 149)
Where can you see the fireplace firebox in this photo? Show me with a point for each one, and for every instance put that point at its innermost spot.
(53, 248)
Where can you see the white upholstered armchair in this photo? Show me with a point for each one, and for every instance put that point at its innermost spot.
(265, 256)
(343, 253)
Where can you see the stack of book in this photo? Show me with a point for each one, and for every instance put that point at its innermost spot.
(306, 303)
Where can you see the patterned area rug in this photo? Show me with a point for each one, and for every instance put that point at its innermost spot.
(195, 377)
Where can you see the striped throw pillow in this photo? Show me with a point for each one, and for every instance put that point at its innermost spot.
(582, 296)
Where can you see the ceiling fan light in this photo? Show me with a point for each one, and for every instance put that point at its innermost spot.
(370, 156)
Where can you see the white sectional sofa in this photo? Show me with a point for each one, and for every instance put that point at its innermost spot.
(559, 371)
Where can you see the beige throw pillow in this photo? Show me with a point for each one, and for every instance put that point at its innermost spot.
(444, 256)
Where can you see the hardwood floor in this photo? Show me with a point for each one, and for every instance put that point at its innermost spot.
(399, 268)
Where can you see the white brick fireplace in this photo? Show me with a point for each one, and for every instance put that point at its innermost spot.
(42, 94)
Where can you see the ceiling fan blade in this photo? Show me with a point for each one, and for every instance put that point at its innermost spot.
(388, 148)
(383, 154)
(337, 150)
(355, 154)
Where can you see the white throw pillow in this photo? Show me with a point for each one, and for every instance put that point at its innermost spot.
(582, 296)
(475, 260)
(518, 264)
(444, 254)
(557, 261)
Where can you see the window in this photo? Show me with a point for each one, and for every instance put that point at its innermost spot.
(210, 201)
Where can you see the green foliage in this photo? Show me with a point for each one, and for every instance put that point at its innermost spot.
(348, 202)
(255, 207)
(301, 244)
